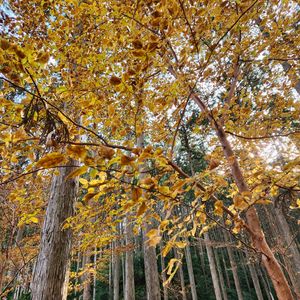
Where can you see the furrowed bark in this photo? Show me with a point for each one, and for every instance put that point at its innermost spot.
(52, 262)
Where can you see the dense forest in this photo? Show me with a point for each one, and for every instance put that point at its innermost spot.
(149, 149)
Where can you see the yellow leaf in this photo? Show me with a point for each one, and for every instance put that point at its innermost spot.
(125, 160)
(263, 201)
(106, 152)
(89, 196)
(33, 220)
(171, 265)
(154, 237)
(77, 151)
(142, 209)
(43, 58)
(136, 194)
(163, 224)
(154, 241)
(50, 160)
(77, 172)
(170, 268)
(239, 202)
(180, 244)
(111, 110)
(167, 248)
(218, 208)
(84, 182)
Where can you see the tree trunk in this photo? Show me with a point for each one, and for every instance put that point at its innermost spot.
(202, 260)
(291, 254)
(221, 277)
(86, 277)
(116, 272)
(151, 270)
(129, 293)
(255, 281)
(213, 268)
(66, 283)
(233, 268)
(258, 239)
(51, 266)
(110, 276)
(150, 261)
(181, 277)
(189, 264)
(163, 274)
(261, 273)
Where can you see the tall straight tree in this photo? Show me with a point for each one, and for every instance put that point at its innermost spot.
(52, 262)
(129, 292)
(150, 261)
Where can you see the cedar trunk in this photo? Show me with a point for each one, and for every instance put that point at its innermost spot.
(51, 265)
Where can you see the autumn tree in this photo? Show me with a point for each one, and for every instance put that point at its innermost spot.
(96, 76)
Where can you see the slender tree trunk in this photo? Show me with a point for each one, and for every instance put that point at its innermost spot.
(202, 260)
(213, 268)
(244, 265)
(129, 293)
(163, 274)
(66, 283)
(291, 254)
(150, 261)
(233, 268)
(255, 282)
(189, 264)
(258, 239)
(221, 277)
(95, 274)
(151, 270)
(116, 272)
(181, 277)
(20, 288)
(51, 266)
(261, 273)
(110, 276)
(77, 271)
(86, 277)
